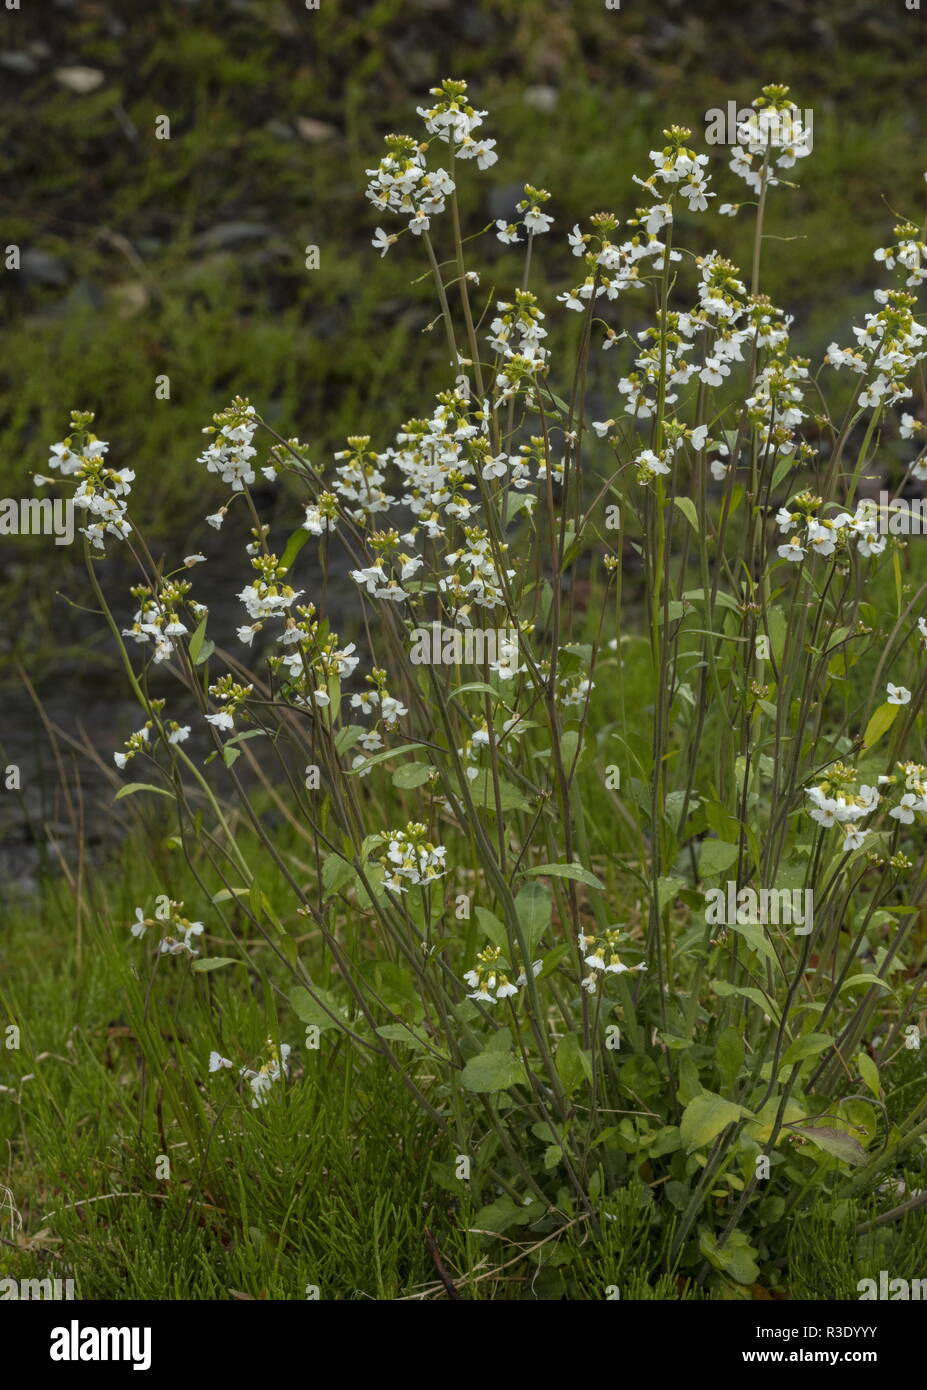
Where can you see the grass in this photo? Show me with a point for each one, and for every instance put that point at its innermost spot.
(110, 1080)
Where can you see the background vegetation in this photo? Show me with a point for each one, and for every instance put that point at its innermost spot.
(186, 257)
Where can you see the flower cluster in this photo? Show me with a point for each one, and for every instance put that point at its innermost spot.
(231, 452)
(270, 1071)
(907, 255)
(488, 980)
(890, 345)
(600, 953)
(158, 617)
(403, 183)
(177, 931)
(141, 740)
(678, 169)
(533, 220)
(411, 859)
(809, 531)
(773, 136)
(233, 696)
(835, 802)
(102, 491)
(454, 120)
(268, 597)
(914, 797)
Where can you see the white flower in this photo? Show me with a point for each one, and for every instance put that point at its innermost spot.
(537, 221)
(217, 1061)
(792, 550)
(222, 720)
(897, 694)
(382, 241)
(140, 926)
(904, 811)
(825, 813)
(854, 839)
(507, 232)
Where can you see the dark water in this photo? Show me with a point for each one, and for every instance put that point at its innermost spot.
(66, 772)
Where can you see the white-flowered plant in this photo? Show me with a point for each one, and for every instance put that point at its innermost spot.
(712, 666)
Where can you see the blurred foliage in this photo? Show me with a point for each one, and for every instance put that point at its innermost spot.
(186, 256)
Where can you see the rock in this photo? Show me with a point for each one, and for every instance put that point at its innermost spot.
(80, 79)
(128, 298)
(316, 132)
(42, 267)
(20, 63)
(230, 234)
(541, 98)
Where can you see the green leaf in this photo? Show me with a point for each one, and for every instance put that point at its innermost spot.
(215, 962)
(714, 857)
(668, 889)
(754, 935)
(307, 1010)
(865, 979)
(572, 870)
(879, 724)
(762, 1126)
(411, 775)
(869, 1073)
(492, 928)
(705, 1117)
(388, 753)
(480, 686)
(809, 1046)
(492, 1071)
(483, 791)
(293, 546)
(399, 1032)
(337, 873)
(761, 1000)
(729, 1055)
(498, 1216)
(735, 1257)
(553, 959)
(573, 1064)
(346, 738)
(533, 908)
(197, 640)
(687, 507)
(833, 1141)
(132, 787)
(725, 600)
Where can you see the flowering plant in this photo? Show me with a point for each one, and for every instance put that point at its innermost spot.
(510, 856)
